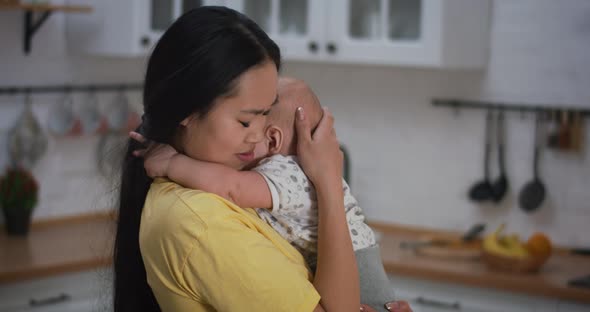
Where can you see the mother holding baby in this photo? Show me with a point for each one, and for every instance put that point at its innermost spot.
(210, 82)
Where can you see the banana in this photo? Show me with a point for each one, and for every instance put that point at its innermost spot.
(505, 246)
(514, 245)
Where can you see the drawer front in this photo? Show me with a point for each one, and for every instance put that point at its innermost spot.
(428, 296)
(59, 293)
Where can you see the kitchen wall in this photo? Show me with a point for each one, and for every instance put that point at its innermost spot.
(70, 183)
(411, 163)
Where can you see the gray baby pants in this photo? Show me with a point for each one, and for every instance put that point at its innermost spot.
(376, 289)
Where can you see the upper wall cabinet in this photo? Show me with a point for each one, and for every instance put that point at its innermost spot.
(125, 28)
(430, 33)
(424, 33)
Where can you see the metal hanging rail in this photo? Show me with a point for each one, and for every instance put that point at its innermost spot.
(521, 108)
(11, 90)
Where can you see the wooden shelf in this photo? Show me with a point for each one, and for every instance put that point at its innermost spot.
(47, 7)
(45, 10)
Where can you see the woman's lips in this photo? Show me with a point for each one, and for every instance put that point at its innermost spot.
(246, 157)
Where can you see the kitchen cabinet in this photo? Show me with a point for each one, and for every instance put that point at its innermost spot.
(428, 296)
(425, 33)
(76, 292)
(124, 28)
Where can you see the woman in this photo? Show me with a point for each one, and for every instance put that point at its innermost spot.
(210, 82)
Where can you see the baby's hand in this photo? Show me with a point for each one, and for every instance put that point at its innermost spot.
(156, 158)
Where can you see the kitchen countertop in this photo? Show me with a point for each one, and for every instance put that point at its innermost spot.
(83, 243)
(550, 281)
(55, 247)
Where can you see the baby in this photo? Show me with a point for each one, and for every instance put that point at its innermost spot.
(279, 187)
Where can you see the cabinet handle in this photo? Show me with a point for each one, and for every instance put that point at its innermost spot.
(313, 46)
(145, 41)
(331, 47)
(439, 304)
(50, 300)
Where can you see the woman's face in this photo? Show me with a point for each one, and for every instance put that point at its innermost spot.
(229, 133)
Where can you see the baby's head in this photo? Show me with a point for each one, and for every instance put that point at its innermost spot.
(280, 136)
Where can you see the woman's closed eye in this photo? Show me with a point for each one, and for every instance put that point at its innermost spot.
(246, 124)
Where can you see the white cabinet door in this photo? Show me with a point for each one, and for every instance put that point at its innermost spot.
(124, 28)
(385, 31)
(297, 26)
(436, 33)
(155, 16)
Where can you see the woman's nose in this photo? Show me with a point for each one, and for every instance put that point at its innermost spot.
(254, 137)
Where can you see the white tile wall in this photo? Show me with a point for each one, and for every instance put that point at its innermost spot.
(411, 163)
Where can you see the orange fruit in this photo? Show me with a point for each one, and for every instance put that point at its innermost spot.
(539, 245)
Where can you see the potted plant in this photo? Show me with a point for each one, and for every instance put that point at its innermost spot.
(18, 198)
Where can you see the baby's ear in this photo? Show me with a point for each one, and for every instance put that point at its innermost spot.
(275, 137)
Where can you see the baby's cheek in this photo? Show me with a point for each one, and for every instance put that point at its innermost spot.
(261, 150)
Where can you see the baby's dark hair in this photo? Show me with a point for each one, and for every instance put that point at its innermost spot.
(196, 61)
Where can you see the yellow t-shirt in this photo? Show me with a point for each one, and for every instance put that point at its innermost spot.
(203, 253)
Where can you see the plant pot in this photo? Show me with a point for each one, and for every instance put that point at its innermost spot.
(17, 221)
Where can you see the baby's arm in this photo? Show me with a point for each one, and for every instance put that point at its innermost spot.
(244, 188)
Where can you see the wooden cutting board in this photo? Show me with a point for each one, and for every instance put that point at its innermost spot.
(455, 250)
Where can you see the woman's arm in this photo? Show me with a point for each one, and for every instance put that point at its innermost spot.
(244, 188)
(336, 276)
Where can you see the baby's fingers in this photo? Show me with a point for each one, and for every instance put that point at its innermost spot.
(137, 137)
(139, 153)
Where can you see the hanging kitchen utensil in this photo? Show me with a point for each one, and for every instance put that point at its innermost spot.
(564, 132)
(577, 133)
(500, 185)
(90, 117)
(26, 141)
(483, 190)
(533, 193)
(553, 130)
(62, 119)
(117, 112)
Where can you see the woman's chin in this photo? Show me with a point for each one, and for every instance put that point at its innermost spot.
(251, 164)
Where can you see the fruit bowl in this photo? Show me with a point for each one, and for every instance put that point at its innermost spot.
(508, 253)
(511, 264)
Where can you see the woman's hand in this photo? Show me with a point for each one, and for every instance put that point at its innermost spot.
(320, 155)
(157, 156)
(393, 306)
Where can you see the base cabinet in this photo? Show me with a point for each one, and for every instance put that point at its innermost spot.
(87, 291)
(428, 296)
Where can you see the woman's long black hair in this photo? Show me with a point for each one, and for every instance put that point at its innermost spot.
(197, 60)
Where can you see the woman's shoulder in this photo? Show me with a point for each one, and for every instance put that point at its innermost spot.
(180, 203)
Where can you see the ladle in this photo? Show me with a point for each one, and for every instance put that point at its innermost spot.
(483, 190)
(533, 194)
(500, 185)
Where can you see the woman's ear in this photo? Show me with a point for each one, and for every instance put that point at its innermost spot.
(190, 118)
(185, 121)
(275, 137)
